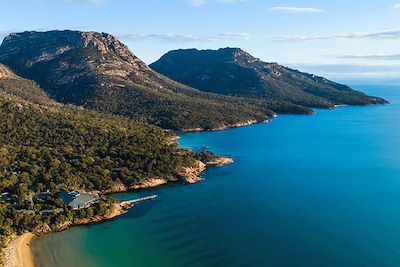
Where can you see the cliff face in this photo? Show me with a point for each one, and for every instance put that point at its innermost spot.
(45, 46)
(232, 71)
(97, 71)
(62, 61)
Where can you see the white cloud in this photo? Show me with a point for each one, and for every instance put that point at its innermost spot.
(381, 35)
(177, 37)
(186, 38)
(294, 10)
(371, 57)
(234, 36)
(396, 6)
(230, 1)
(91, 2)
(198, 3)
(171, 37)
(351, 72)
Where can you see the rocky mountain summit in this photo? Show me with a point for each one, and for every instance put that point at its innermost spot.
(70, 57)
(232, 71)
(97, 71)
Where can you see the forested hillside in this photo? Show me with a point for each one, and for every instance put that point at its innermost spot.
(50, 147)
(26, 89)
(234, 72)
(98, 72)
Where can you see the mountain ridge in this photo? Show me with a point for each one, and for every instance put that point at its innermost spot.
(97, 71)
(233, 71)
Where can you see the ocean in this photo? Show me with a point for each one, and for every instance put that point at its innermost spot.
(317, 190)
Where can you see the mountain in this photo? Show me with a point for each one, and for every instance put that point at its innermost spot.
(232, 71)
(14, 85)
(97, 71)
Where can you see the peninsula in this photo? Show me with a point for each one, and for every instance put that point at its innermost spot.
(83, 116)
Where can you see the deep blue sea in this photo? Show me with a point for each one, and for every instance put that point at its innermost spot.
(315, 191)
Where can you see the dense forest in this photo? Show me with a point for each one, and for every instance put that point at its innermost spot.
(52, 147)
(23, 88)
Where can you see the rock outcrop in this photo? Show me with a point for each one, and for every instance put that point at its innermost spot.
(97, 71)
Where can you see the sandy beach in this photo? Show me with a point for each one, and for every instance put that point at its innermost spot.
(18, 252)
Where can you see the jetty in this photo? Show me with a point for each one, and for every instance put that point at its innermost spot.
(138, 200)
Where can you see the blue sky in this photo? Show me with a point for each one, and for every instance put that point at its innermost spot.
(339, 39)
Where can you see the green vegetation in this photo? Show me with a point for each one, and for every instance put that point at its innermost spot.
(26, 217)
(96, 71)
(232, 71)
(46, 147)
(26, 89)
(50, 146)
(205, 155)
(191, 110)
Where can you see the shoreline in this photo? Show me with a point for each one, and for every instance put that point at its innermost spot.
(229, 126)
(189, 176)
(18, 253)
(117, 209)
(269, 119)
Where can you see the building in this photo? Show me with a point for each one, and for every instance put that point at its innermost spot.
(78, 200)
(49, 212)
(43, 197)
(8, 197)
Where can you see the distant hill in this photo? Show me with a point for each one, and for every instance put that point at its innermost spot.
(232, 71)
(97, 71)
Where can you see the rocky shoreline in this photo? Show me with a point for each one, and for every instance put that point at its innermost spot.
(118, 209)
(189, 175)
(17, 252)
(229, 126)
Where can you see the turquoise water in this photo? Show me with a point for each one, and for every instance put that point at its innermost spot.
(321, 190)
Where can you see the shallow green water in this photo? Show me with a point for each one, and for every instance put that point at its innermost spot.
(319, 190)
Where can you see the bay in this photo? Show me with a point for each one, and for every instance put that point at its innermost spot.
(320, 190)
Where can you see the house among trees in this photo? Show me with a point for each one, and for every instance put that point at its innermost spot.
(78, 200)
(43, 196)
(8, 197)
